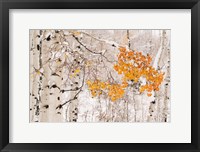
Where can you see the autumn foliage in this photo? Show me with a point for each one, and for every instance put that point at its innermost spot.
(114, 91)
(134, 67)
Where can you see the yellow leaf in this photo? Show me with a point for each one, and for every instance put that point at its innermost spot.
(77, 71)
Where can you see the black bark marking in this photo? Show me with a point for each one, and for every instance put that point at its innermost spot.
(59, 106)
(55, 74)
(62, 91)
(38, 47)
(37, 112)
(54, 86)
(49, 38)
(46, 106)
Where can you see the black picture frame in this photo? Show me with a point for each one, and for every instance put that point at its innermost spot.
(5, 5)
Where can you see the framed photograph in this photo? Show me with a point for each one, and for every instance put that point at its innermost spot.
(99, 75)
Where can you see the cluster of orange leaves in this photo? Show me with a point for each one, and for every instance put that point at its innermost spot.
(133, 65)
(114, 91)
